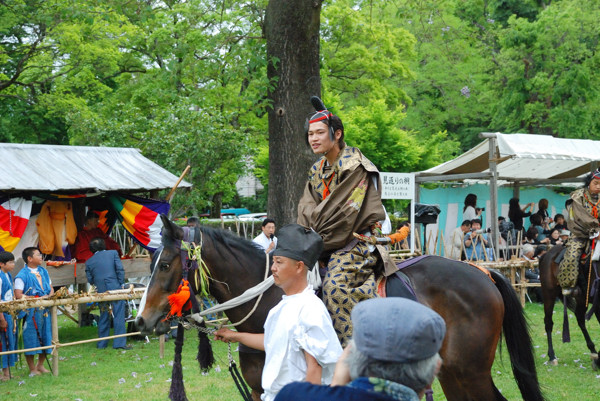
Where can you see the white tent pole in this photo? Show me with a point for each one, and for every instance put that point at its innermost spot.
(493, 185)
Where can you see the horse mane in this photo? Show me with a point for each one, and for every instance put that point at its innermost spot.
(246, 248)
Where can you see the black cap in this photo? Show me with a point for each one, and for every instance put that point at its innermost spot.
(299, 243)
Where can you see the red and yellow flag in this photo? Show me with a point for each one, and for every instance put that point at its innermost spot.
(14, 215)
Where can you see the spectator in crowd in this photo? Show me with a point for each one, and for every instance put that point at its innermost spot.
(33, 281)
(555, 237)
(543, 211)
(299, 340)
(90, 231)
(516, 213)
(542, 228)
(532, 275)
(470, 210)
(532, 235)
(455, 245)
(388, 358)
(564, 235)
(193, 224)
(267, 239)
(477, 246)
(559, 222)
(7, 332)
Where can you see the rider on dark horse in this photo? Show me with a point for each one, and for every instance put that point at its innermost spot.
(342, 196)
(584, 225)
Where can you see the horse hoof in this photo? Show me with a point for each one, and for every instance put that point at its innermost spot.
(595, 361)
(554, 362)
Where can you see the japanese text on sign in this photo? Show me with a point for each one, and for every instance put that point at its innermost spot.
(398, 185)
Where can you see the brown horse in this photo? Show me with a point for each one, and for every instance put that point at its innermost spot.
(476, 311)
(552, 290)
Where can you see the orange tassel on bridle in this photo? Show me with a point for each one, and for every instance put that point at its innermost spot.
(179, 301)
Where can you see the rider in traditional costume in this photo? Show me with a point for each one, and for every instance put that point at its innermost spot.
(583, 222)
(342, 196)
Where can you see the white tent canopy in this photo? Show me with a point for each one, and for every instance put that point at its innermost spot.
(521, 159)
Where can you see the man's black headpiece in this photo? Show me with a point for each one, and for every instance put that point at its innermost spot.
(322, 114)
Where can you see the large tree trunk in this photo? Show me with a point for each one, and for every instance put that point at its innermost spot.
(292, 32)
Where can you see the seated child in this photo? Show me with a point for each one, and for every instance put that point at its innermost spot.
(33, 281)
(7, 336)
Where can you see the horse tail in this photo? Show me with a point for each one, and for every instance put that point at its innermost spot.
(518, 341)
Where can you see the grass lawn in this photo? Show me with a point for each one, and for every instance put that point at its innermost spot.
(87, 373)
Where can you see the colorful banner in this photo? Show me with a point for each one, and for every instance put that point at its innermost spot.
(141, 218)
(14, 215)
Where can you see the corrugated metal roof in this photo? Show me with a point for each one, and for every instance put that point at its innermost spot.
(27, 167)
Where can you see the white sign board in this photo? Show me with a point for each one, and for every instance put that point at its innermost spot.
(400, 186)
(397, 186)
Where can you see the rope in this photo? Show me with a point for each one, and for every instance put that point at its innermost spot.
(237, 377)
(249, 294)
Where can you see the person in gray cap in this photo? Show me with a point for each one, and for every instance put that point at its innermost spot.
(393, 355)
(299, 340)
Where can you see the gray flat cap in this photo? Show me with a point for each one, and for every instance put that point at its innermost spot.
(397, 330)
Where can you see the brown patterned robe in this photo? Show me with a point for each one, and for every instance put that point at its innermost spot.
(353, 205)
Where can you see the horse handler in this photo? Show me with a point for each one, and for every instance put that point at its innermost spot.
(299, 340)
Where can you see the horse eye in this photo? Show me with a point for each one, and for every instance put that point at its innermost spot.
(164, 266)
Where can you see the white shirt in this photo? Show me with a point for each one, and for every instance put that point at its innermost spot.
(265, 241)
(298, 323)
(454, 246)
(470, 213)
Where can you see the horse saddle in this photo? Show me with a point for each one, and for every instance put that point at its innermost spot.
(398, 284)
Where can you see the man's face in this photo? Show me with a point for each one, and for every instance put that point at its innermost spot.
(269, 229)
(92, 222)
(285, 271)
(475, 226)
(465, 228)
(8, 266)
(595, 186)
(36, 258)
(318, 138)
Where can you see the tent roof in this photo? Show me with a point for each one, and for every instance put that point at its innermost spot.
(28, 167)
(523, 157)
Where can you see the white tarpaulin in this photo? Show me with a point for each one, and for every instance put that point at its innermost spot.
(525, 157)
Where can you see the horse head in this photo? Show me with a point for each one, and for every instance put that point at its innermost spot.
(166, 274)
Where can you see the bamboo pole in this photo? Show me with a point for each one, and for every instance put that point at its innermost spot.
(161, 346)
(67, 314)
(168, 198)
(54, 318)
(116, 295)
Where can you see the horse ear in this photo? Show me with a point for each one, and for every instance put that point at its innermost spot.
(170, 229)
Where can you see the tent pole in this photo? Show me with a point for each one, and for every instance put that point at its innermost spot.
(493, 190)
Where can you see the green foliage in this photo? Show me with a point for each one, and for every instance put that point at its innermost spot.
(375, 130)
(415, 81)
(548, 82)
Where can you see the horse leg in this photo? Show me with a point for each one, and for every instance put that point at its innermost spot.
(595, 359)
(252, 364)
(580, 316)
(548, 325)
(466, 375)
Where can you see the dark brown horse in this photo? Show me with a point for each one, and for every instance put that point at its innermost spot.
(476, 311)
(551, 290)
